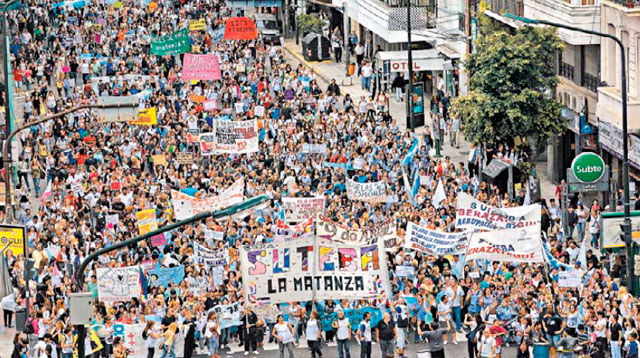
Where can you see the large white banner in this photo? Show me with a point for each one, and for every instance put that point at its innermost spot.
(476, 215)
(118, 284)
(313, 268)
(387, 232)
(434, 242)
(510, 245)
(370, 192)
(131, 335)
(300, 209)
(186, 206)
(235, 137)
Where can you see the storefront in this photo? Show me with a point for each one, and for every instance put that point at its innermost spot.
(425, 64)
(610, 140)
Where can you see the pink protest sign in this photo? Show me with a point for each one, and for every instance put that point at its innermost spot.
(158, 240)
(200, 67)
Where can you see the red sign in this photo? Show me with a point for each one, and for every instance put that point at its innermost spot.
(240, 28)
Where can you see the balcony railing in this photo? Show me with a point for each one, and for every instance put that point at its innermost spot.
(414, 3)
(515, 7)
(581, 2)
(591, 82)
(566, 71)
(422, 17)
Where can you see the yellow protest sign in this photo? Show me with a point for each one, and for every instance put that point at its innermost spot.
(197, 25)
(146, 117)
(12, 238)
(118, 4)
(147, 221)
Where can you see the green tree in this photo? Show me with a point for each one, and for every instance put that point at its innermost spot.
(309, 23)
(511, 88)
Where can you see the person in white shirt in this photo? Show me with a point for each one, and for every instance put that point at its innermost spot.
(283, 331)
(367, 72)
(343, 334)
(314, 333)
(364, 330)
(444, 317)
(456, 293)
(487, 345)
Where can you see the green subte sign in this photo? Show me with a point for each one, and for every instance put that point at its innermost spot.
(588, 167)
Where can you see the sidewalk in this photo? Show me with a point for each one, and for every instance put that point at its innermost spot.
(328, 70)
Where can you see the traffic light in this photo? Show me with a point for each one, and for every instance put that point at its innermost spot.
(625, 233)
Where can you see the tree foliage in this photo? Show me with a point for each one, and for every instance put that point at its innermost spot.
(309, 23)
(511, 84)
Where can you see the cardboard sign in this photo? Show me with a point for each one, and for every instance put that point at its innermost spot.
(197, 25)
(197, 99)
(201, 67)
(185, 158)
(160, 159)
(240, 28)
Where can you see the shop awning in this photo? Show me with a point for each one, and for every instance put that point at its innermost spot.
(423, 60)
(448, 51)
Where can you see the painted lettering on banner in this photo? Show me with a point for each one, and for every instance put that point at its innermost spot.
(476, 215)
(314, 268)
(506, 245)
(387, 232)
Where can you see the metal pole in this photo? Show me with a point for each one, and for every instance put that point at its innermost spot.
(626, 226)
(7, 100)
(410, 64)
(7, 143)
(232, 210)
(565, 209)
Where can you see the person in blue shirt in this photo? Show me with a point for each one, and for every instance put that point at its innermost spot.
(632, 346)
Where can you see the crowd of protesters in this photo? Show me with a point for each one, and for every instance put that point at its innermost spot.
(75, 172)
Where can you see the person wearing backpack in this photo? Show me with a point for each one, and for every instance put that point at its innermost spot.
(31, 329)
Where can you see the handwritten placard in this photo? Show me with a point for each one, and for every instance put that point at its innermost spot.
(240, 28)
(201, 67)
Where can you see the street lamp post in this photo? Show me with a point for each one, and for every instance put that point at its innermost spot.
(8, 120)
(626, 225)
(410, 64)
(232, 210)
(7, 143)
